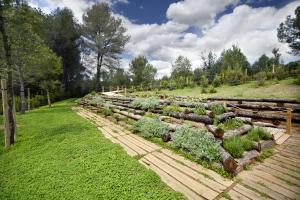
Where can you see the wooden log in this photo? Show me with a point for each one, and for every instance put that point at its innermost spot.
(239, 131)
(216, 131)
(265, 144)
(225, 116)
(5, 114)
(248, 158)
(270, 100)
(227, 160)
(246, 120)
(263, 124)
(197, 118)
(257, 107)
(166, 137)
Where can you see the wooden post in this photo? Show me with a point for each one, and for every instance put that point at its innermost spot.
(5, 113)
(28, 98)
(14, 116)
(102, 89)
(118, 89)
(125, 91)
(288, 121)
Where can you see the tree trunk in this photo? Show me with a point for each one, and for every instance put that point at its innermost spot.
(10, 90)
(99, 63)
(239, 131)
(225, 116)
(217, 132)
(22, 90)
(48, 98)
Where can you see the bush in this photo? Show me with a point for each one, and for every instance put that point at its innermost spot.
(257, 134)
(237, 145)
(234, 75)
(105, 111)
(171, 108)
(217, 81)
(203, 81)
(196, 142)
(146, 104)
(78, 101)
(260, 78)
(218, 109)
(97, 100)
(212, 90)
(230, 124)
(203, 90)
(200, 110)
(149, 127)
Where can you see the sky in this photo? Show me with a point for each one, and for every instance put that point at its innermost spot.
(162, 30)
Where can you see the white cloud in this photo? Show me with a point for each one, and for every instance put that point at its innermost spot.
(197, 12)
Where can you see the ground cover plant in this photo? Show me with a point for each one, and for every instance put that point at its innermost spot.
(149, 127)
(237, 145)
(97, 100)
(172, 108)
(59, 155)
(230, 124)
(258, 133)
(200, 110)
(196, 142)
(218, 109)
(145, 103)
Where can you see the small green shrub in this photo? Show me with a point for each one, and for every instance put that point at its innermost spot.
(171, 108)
(145, 103)
(212, 90)
(200, 110)
(259, 133)
(264, 155)
(196, 142)
(230, 124)
(105, 111)
(237, 145)
(217, 81)
(203, 90)
(218, 109)
(149, 127)
(97, 100)
(78, 101)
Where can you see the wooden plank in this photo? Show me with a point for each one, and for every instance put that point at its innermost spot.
(281, 169)
(128, 150)
(282, 139)
(150, 144)
(285, 160)
(274, 187)
(293, 153)
(193, 174)
(110, 131)
(263, 189)
(106, 134)
(236, 195)
(217, 177)
(128, 143)
(184, 179)
(288, 155)
(138, 143)
(273, 179)
(278, 174)
(282, 164)
(248, 193)
(170, 181)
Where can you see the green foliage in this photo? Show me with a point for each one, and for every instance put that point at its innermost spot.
(200, 110)
(218, 109)
(212, 90)
(217, 82)
(172, 108)
(231, 123)
(203, 81)
(78, 101)
(97, 100)
(149, 127)
(145, 103)
(233, 75)
(56, 146)
(105, 111)
(259, 133)
(260, 78)
(196, 142)
(264, 155)
(203, 90)
(237, 145)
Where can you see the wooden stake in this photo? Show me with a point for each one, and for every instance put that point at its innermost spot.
(5, 113)
(14, 116)
(28, 96)
(125, 91)
(102, 89)
(288, 121)
(117, 89)
(48, 98)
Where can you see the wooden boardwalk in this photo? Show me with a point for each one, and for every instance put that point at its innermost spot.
(277, 178)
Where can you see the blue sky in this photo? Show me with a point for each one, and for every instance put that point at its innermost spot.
(164, 29)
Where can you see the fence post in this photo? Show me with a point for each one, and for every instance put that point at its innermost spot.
(28, 100)
(5, 113)
(14, 116)
(102, 89)
(288, 121)
(118, 89)
(125, 91)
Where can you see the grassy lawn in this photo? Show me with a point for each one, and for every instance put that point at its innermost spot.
(283, 89)
(59, 155)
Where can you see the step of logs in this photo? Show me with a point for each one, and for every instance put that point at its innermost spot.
(239, 131)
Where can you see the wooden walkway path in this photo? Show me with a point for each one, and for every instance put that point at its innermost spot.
(277, 178)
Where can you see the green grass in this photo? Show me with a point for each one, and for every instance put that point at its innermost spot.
(59, 155)
(230, 124)
(283, 89)
(237, 145)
